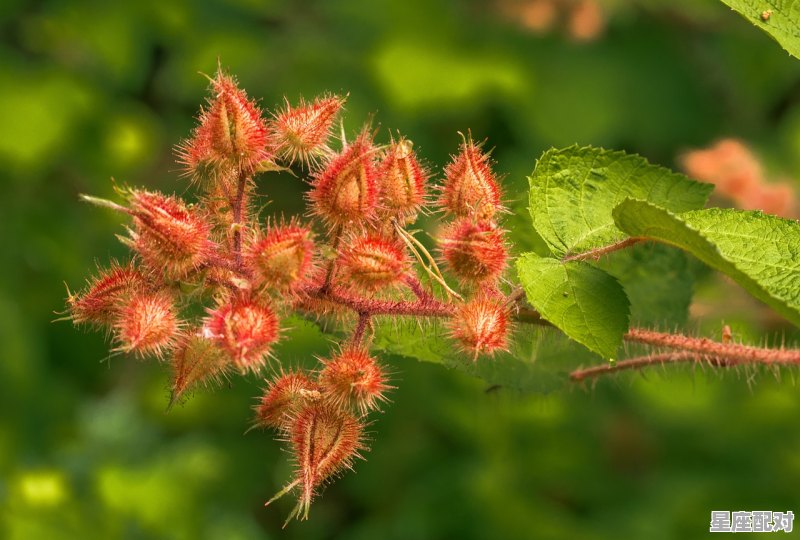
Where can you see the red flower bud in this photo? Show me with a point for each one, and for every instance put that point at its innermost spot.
(301, 133)
(196, 361)
(325, 441)
(104, 295)
(245, 330)
(345, 192)
(353, 380)
(474, 250)
(170, 237)
(284, 398)
(372, 263)
(282, 258)
(147, 324)
(231, 130)
(402, 182)
(470, 187)
(481, 325)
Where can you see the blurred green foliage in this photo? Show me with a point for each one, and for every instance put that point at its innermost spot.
(91, 90)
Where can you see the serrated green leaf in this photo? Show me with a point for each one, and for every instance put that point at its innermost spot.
(658, 281)
(760, 252)
(574, 190)
(586, 303)
(539, 359)
(778, 18)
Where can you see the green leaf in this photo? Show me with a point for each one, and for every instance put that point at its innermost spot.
(574, 190)
(658, 281)
(539, 359)
(778, 18)
(586, 303)
(760, 252)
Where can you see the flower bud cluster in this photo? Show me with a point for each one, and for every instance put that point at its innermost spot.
(322, 416)
(210, 284)
(473, 249)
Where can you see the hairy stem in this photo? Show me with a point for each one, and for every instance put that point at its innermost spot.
(596, 253)
(709, 348)
(361, 328)
(646, 361)
(417, 288)
(369, 306)
(337, 237)
(238, 213)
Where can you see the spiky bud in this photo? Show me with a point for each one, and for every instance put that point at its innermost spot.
(481, 325)
(354, 380)
(325, 441)
(372, 263)
(147, 324)
(282, 258)
(285, 396)
(104, 295)
(230, 131)
(345, 192)
(301, 133)
(170, 236)
(245, 329)
(196, 361)
(402, 182)
(470, 187)
(474, 250)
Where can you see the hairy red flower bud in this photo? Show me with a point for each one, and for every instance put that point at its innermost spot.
(104, 295)
(230, 130)
(474, 250)
(197, 360)
(246, 330)
(282, 258)
(481, 325)
(470, 187)
(345, 192)
(325, 441)
(285, 396)
(147, 324)
(372, 262)
(170, 237)
(353, 380)
(301, 133)
(402, 182)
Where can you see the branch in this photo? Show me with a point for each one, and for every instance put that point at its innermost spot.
(238, 210)
(645, 361)
(361, 328)
(691, 350)
(596, 253)
(368, 306)
(714, 349)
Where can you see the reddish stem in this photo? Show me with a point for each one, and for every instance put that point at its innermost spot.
(361, 328)
(417, 288)
(646, 361)
(709, 348)
(604, 250)
(238, 211)
(369, 306)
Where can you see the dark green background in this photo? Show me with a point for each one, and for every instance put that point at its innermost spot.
(91, 90)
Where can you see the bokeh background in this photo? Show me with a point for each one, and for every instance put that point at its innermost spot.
(91, 90)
